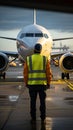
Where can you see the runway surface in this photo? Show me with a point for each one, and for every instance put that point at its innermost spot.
(15, 107)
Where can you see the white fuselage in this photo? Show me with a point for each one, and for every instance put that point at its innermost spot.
(31, 35)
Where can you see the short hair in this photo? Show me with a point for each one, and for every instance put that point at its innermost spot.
(37, 48)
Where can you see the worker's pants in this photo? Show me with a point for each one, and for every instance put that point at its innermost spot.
(33, 91)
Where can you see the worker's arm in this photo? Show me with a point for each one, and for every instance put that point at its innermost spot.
(48, 72)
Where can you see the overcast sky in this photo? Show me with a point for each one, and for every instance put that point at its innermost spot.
(13, 19)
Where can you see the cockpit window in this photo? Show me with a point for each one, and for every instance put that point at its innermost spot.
(38, 34)
(34, 35)
(29, 34)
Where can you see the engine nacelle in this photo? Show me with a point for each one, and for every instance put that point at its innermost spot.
(66, 62)
(3, 62)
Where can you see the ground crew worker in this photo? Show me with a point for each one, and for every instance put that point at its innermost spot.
(37, 76)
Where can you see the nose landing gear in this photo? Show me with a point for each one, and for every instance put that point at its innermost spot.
(3, 75)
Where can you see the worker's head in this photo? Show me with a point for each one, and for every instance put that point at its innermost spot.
(37, 48)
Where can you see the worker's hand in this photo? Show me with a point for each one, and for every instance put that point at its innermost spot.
(48, 86)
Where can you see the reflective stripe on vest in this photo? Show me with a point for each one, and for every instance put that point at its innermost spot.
(37, 69)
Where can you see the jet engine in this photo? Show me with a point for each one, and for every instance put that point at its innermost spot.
(3, 62)
(66, 62)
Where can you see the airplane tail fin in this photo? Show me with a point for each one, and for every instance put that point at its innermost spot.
(34, 16)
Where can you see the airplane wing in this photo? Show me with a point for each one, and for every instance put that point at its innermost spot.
(9, 38)
(55, 54)
(56, 39)
(9, 53)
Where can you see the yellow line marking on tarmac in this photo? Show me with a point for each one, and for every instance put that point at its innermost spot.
(19, 82)
(60, 81)
(69, 84)
(71, 87)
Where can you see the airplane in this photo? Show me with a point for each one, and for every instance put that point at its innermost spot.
(26, 40)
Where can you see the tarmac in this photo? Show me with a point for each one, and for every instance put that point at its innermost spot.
(15, 105)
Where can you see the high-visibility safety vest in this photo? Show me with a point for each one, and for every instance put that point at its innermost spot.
(36, 69)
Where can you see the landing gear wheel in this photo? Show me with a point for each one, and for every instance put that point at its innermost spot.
(65, 75)
(4, 75)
